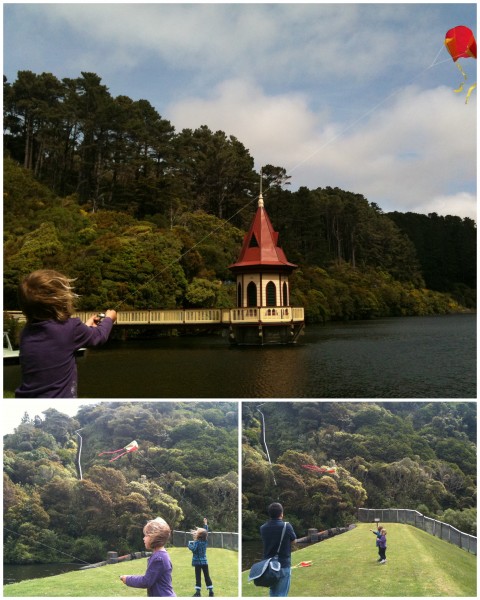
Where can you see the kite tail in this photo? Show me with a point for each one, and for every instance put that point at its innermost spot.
(470, 90)
(459, 66)
(116, 457)
(111, 451)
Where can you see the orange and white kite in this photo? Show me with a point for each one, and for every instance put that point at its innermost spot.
(131, 447)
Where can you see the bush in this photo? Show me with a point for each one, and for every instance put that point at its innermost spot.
(464, 520)
(89, 549)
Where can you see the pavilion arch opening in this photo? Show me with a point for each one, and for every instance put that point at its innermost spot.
(271, 294)
(251, 294)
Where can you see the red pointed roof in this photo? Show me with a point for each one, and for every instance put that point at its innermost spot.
(260, 245)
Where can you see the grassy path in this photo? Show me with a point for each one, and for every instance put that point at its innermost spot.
(418, 564)
(105, 582)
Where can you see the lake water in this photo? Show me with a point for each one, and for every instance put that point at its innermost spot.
(407, 357)
(15, 573)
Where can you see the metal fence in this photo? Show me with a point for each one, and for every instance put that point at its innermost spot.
(439, 529)
(216, 539)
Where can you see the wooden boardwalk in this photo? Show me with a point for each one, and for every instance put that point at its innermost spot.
(275, 315)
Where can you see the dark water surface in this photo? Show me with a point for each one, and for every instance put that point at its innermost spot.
(15, 573)
(407, 357)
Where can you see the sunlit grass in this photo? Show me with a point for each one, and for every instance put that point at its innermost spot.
(105, 581)
(418, 564)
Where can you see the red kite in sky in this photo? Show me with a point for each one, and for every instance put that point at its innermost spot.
(460, 43)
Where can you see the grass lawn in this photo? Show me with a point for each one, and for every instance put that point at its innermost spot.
(105, 582)
(418, 564)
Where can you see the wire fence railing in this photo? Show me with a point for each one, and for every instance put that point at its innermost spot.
(437, 528)
(216, 539)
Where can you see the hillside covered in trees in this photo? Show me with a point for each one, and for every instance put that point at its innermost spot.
(107, 191)
(417, 455)
(186, 468)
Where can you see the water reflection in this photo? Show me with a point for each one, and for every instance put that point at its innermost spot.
(415, 357)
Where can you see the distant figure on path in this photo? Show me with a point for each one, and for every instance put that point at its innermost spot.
(199, 559)
(51, 337)
(271, 533)
(158, 576)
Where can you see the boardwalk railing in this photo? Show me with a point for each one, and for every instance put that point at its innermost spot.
(216, 539)
(413, 517)
(198, 316)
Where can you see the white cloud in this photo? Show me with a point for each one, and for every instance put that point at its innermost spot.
(290, 41)
(271, 127)
(323, 90)
(463, 204)
(405, 155)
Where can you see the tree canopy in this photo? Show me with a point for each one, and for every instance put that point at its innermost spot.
(186, 468)
(105, 189)
(416, 455)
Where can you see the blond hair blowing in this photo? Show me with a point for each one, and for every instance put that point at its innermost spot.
(46, 294)
(159, 532)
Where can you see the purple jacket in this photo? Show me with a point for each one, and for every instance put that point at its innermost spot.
(47, 356)
(158, 576)
(382, 541)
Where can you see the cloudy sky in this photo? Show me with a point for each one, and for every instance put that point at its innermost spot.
(353, 95)
(12, 412)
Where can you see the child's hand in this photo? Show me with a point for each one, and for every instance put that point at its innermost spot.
(92, 321)
(112, 314)
(124, 579)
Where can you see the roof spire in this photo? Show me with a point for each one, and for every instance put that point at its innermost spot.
(260, 197)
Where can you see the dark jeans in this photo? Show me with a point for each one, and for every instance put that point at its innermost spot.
(282, 587)
(198, 576)
(382, 552)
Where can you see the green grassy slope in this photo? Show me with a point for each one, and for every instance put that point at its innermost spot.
(105, 582)
(418, 564)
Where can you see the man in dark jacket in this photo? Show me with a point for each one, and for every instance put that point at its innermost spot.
(271, 533)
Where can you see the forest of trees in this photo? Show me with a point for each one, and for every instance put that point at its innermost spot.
(186, 468)
(107, 191)
(417, 455)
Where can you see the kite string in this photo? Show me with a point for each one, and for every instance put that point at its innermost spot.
(47, 546)
(178, 259)
(367, 113)
(170, 486)
(442, 47)
(309, 157)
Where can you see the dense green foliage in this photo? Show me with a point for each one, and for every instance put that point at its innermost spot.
(446, 248)
(139, 214)
(185, 468)
(417, 455)
(418, 565)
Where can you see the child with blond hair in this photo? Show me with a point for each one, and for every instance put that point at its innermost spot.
(158, 576)
(51, 337)
(198, 546)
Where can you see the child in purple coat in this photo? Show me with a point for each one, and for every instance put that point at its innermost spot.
(382, 546)
(158, 576)
(51, 337)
